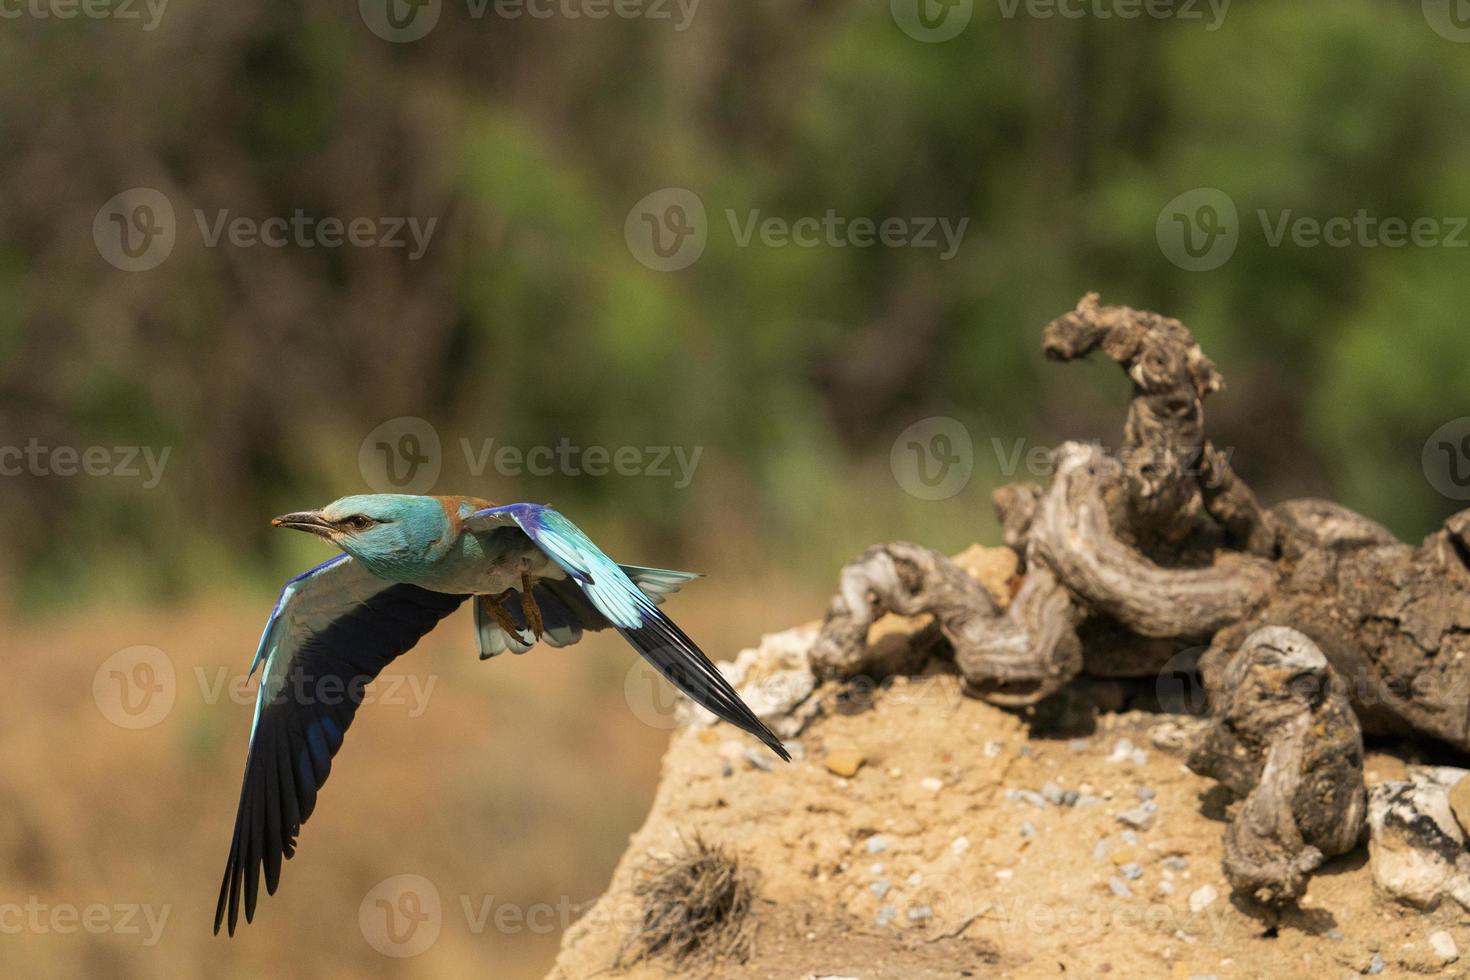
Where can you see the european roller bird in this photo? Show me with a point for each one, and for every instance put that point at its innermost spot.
(529, 573)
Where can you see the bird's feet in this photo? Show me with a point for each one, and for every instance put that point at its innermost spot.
(529, 608)
(503, 618)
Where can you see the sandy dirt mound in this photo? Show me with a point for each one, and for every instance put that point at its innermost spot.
(959, 846)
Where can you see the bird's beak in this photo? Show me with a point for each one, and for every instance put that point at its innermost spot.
(308, 520)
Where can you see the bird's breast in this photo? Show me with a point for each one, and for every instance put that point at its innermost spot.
(490, 562)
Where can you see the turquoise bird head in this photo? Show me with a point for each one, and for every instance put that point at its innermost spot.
(390, 533)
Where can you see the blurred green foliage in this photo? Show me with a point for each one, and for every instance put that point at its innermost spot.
(529, 320)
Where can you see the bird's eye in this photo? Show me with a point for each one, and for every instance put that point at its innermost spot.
(358, 522)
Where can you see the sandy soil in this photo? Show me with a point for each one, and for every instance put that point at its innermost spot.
(943, 856)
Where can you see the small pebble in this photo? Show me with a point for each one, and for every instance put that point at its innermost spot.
(1444, 946)
(876, 869)
(914, 880)
(1145, 792)
(885, 915)
(932, 784)
(1027, 796)
(1052, 793)
(1376, 965)
(879, 887)
(993, 748)
(1335, 935)
(1201, 897)
(1131, 871)
(1129, 838)
(960, 845)
(920, 913)
(1101, 848)
(1120, 888)
(726, 770)
(1077, 744)
(1166, 888)
(1069, 797)
(1175, 862)
(1028, 829)
(1005, 874)
(761, 760)
(844, 762)
(1027, 751)
(877, 844)
(1140, 817)
(1122, 749)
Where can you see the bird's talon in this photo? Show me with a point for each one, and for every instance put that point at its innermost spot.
(529, 607)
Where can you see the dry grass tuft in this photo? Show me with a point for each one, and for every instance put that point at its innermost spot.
(696, 908)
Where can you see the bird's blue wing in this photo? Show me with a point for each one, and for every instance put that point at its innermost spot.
(630, 610)
(333, 630)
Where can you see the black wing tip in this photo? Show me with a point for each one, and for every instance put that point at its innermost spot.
(776, 747)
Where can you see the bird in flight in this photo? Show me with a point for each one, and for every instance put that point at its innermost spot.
(529, 573)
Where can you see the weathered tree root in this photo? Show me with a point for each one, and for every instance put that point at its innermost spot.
(1285, 738)
(1031, 647)
(1132, 554)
